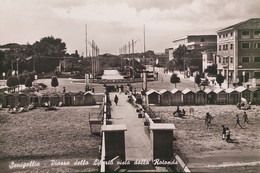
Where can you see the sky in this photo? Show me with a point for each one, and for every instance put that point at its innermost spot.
(114, 23)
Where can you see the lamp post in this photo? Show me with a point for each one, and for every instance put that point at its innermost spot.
(228, 72)
(4, 77)
(244, 79)
(35, 78)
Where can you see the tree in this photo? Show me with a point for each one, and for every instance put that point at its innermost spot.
(54, 82)
(50, 46)
(211, 70)
(11, 82)
(21, 79)
(170, 65)
(197, 80)
(220, 79)
(28, 82)
(179, 55)
(194, 58)
(175, 79)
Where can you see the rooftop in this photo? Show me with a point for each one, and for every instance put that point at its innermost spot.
(238, 24)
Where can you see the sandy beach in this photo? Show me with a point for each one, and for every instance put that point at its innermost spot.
(204, 147)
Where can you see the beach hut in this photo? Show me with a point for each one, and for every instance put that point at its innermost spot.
(176, 97)
(244, 93)
(55, 99)
(188, 97)
(233, 96)
(78, 99)
(45, 98)
(2, 99)
(35, 98)
(22, 99)
(67, 99)
(255, 95)
(153, 97)
(201, 97)
(211, 96)
(88, 98)
(10, 100)
(222, 96)
(99, 97)
(166, 97)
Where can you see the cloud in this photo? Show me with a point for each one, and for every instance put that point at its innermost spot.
(114, 23)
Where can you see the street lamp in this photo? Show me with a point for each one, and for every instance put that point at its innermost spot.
(36, 78)
(244, 75)
(4, 77)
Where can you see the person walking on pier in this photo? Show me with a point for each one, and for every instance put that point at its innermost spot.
(116, 99)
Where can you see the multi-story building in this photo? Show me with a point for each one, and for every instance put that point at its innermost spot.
(208, 59)
(161, 59)
(238, 54)
(169, 53)
(200, 43)
(196, 42)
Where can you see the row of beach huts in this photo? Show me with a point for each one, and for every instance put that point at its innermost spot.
(52, 99)
(202, 97)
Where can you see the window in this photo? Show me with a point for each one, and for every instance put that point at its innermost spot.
(257, 59)
(245, 33)
(231, 34)
(219, 36)
(231, 59)
(202, 40)
(219, 47)
(257, 33)
(219, 60)
(226, 46)
(226, 35)
(224, 60)
(245, 45)
(231, 46)
(245, 59)
(257, 45)
(257, 75)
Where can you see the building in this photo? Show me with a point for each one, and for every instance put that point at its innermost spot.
(196, 42)
(208, 59)
(169, 53)
(238, 54)
(13, 46)
(200, 43)
(161, 59)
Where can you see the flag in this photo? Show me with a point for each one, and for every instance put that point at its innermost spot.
(28, 58)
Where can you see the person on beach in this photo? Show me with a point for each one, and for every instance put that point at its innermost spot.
(229, 140)
(64, 89)
(208, 119)
(223, 132)
(238, 122)
(178, 111)
(245, 118)
(116, 99)
(183, 112)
